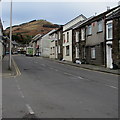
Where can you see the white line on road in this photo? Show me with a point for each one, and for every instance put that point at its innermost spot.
(68, 74)
(80, 77)
(56, 70)
(22, 94)
(51, 68)
(111, 86)
(18, 87)
(30, 109)
(43, 64)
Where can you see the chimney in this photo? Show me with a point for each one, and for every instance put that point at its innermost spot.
(119, 3)
(108, 8)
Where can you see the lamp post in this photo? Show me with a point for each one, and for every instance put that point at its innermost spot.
(10, 58)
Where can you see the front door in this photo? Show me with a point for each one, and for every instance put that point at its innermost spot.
(109, 56)
(56, 52)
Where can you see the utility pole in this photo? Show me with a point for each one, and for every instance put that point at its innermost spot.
(10, 56)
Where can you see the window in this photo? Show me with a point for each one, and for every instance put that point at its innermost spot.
(63, 38)
(89, 29)
(100, 26)
(59, 49)
(82, 34)
(67, 36)
(59, 35)
(77, 36)
(109, 31)
(77, 52)
(93, 52)
(67, 50)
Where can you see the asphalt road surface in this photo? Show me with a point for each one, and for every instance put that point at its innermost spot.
(48, 89)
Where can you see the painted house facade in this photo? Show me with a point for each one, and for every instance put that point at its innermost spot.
(113, 39)
(53, 45)
(56, 46)
(67, 37)
(89, 40)
(35, 44)
(94, 46)
(41, 44)
(60, 42)
(45, 44)
(79, 42)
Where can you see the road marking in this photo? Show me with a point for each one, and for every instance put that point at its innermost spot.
(43, 64)
(16, 68)
(30, 109)
(51, 68)
(111, 86)
(86, 69)
(56, 70)
(80, 77)
(67, 73)
(18, 87)
(21, 93)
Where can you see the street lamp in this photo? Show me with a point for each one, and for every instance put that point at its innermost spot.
(10, 58)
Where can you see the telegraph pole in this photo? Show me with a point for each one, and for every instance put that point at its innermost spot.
(10, 56)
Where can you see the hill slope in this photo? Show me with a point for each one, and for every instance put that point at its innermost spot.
(23, 33)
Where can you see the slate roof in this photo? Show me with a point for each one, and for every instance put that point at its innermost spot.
(76, 18)
(94, 18)
(114, 14)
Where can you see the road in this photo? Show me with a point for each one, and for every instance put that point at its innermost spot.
(48, 89)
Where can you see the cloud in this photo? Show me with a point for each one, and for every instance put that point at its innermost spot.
(60, 1)
(55, 12)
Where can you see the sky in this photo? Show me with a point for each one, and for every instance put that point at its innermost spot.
(55, 12)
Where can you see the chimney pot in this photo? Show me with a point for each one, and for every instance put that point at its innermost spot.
(118, 3)
(108, 8)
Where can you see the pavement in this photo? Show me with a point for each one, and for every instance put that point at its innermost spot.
(5, 67)
(91, 67)
(6, 72)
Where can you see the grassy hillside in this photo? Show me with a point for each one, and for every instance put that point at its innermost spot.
(23, 33)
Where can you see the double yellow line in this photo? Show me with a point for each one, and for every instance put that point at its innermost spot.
(18, 73)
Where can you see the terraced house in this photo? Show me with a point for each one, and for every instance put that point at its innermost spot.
(67, 37)
(53, 45)
(90, 34)
(113, 39)
(57, 43)
(78, 41)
